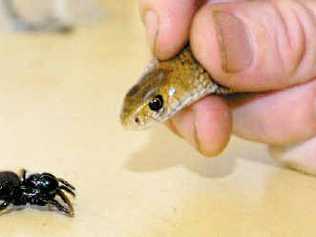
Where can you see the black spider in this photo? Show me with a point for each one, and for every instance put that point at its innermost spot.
(38, 189)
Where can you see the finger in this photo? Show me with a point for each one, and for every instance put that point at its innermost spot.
(167, 24)
(257, 45)
(300, 156)
(278, 118)
(206, 125)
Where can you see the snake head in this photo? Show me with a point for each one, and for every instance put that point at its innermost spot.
(165, 88)
(146, 101)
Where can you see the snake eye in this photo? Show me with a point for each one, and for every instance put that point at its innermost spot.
(156, 103)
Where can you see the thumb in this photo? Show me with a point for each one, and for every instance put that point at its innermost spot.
(257, 45)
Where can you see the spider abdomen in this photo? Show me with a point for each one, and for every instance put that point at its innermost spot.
(9, 182)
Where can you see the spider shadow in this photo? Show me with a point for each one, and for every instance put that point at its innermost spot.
(14, 209)
(163, 151)
(48, 208)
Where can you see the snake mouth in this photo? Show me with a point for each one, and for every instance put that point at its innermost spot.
(131, 125)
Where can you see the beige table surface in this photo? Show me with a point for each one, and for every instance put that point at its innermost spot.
(60, 98)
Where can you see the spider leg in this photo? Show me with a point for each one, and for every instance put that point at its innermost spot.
(23, 174)
(63, 187)
(19, 24)
(66, 183)
(70, 210)
(60, 207)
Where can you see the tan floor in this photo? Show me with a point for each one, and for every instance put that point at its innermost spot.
(60, 97)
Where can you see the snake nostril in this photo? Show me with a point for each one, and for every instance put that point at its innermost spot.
(137, 120)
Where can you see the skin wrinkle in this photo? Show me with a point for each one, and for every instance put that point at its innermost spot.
(194, 133)
(314, 95)
(170, 124)
(198, 144)
(313, 21)
(155, 38)
(302, 50)
(309, 12)
(308, 41)
(279, 42)
(264, 39)
(154, 49)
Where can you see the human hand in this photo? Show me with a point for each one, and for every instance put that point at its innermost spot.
(253, 46)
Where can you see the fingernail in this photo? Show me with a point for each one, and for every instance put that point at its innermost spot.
(151, 24)
(235, 46)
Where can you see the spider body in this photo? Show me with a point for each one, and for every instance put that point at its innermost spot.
(39, 189)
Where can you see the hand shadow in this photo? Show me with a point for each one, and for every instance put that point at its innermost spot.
(165, 151)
